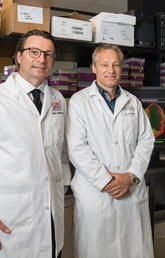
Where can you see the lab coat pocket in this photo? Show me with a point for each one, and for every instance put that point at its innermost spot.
(130, 126)
(16, 212)
(90, 198)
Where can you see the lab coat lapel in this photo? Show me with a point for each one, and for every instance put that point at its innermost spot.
(14, 91)
(93, 91)
(121, 101)
(48, 99)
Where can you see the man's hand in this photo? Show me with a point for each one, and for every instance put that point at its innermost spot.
(119, 186)
(5, 229)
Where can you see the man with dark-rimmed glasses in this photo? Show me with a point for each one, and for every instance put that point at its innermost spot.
(34, 162)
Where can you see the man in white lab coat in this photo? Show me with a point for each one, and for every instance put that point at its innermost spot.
(33, 164)
(110, 141)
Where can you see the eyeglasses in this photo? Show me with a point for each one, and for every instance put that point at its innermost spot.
(36, 52)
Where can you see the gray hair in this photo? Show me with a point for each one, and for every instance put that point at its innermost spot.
(106, 47)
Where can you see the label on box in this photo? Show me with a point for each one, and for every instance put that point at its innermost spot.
(114, 33)
(76, 29)
(30, 14)
(71, 29)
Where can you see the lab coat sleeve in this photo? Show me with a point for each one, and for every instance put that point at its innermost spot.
(80, 153)
(65, 159)
(144, 145)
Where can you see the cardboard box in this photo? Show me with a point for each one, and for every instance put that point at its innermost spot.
(127, 19)
(114, 33)
(114, 17)
(20, 18)
(71, 28)
(75, 15)
(113, 28)
(39, 3)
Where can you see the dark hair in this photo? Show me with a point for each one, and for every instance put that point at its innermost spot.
(23, 38)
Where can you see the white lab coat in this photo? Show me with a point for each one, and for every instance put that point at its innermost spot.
(99, 140)
(31, 172)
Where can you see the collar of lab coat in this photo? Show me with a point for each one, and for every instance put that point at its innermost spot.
(121, 101)
(14, 91)
(27, 86)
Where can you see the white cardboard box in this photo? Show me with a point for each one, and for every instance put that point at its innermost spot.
(114, 17)
(114, 33)
(71, 28)
(113, 28)
(127, 19)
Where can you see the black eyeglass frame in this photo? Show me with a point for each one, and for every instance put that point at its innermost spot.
(46, 53)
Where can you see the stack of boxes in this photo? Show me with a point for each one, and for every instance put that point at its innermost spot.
(65, 81)
(68, 81)
(63, 77)
(124, 79)
(60, 83)
(136, 71)
(162, 74)
(7, 70)
(135, 68)
(85, 76)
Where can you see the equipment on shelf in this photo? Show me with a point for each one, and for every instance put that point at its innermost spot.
(144, 29)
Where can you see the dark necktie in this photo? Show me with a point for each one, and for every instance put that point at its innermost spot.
(37, 100)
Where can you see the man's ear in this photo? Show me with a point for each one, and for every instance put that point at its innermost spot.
(18, 57)
(93, 68)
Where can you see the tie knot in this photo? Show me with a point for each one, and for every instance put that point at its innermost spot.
(36, 93)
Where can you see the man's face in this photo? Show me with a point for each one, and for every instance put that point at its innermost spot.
(34, 70)
(107, 69)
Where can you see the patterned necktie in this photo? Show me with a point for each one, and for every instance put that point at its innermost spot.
(37, 100)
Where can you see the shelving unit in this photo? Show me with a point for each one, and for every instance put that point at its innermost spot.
(81, 51)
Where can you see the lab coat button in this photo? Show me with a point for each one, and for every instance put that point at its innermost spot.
(47, 208)
(116, 142)
(47, 179)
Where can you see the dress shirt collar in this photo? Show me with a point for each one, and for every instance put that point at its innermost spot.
(103, 92)
(27, 86)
